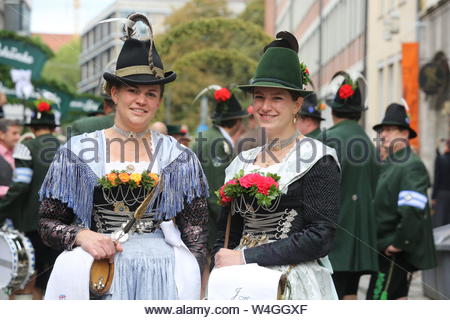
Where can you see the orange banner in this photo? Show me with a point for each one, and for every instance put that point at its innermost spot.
(410, 77)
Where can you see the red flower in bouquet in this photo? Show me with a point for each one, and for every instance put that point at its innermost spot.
(222, 95)
(346, 91)
(223, 197)
(43, 106)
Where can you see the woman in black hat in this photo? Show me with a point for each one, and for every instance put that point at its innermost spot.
(155, 262)
(295, 236)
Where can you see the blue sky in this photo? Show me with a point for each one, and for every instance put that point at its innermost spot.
(58, 16)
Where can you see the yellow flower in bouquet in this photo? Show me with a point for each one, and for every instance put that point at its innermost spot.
(136, 177)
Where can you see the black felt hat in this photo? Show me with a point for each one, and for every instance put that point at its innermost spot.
(348, 98)
(396, 115)
(311, 108)
(227, 106)
(42, 115)
(139, 62)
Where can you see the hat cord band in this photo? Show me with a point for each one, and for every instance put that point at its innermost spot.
(284, 83)
(128, 71)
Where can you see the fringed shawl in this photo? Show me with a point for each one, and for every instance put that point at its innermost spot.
(79, 163)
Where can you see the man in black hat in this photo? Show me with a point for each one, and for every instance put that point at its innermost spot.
(309, 117)
(353, 254)
(21, 204)
(215, 149)
(179, 133)
(405, 238)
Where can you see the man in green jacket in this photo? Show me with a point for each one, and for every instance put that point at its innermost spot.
(21, 203)
(405, 238)
(354, 252)
(216, 149)
(309, 117)
(91, 124)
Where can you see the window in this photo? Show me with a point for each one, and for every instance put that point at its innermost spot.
(390, 83)
(381, 92)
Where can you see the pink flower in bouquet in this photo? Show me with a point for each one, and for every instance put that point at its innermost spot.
(265, 184)
(250, 180)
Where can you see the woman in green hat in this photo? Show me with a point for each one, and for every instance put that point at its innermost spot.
(296, 235)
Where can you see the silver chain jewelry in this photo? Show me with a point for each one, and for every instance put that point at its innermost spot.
(130, 134)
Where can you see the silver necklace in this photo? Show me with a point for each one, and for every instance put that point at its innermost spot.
(130, 134)
(281, 144)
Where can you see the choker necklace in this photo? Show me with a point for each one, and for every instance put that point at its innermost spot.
(130, 134)
(281, 144)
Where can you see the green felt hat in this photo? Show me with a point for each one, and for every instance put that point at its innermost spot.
(279, 67)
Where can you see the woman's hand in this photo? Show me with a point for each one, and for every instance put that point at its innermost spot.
(226, 257)
(98, 245)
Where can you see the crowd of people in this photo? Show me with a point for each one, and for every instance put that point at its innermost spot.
(346, 207)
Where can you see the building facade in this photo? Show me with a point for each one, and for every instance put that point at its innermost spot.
(331, 34)
(100, 43)
(433, 37)
(15, 15)
(390, 24)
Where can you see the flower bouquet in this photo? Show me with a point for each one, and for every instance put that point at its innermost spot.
(146, 179)
(264, 187)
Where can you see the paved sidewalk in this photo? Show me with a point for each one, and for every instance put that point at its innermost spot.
(415, 291)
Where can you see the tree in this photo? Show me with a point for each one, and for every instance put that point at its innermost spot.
(196, 9)
(204, 51)
(64, 66)
(254, 12)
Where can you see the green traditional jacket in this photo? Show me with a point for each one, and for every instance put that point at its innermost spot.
(402, 209)
(315, 134)
(355, 244)
(32, 160)
(91, 124)
(214, 154)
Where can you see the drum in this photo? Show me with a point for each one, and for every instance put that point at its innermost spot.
(16, 259)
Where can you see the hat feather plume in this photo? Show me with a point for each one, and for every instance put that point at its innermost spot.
(205, 90)
(284, 39)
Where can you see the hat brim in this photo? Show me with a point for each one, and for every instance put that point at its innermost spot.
(345, 108)
(41, 124)
(140, 79)
(231, 116)
(268, 84)
(311, 116)
(238, 115)
(378, 127)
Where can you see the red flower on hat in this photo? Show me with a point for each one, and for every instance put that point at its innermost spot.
(250, 110)
(346, 91)
(222, 95)
(43, 106)
(306, 71)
